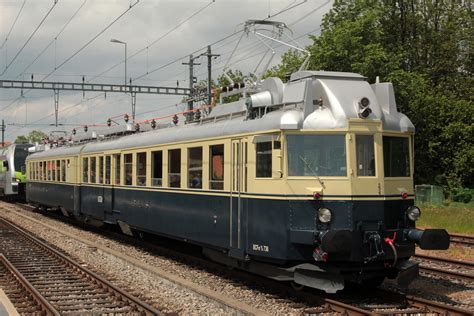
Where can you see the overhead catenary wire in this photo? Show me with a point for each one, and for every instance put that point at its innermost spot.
(185, 56)
(296, 21)
(82, 48)
(13, 25)
(155, 41)
(29, 38)
(54, 39)
(92, 39)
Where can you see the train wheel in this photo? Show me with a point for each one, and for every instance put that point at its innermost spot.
(296, 286)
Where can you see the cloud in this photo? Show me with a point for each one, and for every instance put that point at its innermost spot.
(142, 25)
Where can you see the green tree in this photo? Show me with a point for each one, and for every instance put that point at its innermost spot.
(21, 139)
(36, 136)
(426, 49)
(33, 137)
(238, 77)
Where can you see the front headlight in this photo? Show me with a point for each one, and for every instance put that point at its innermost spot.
(324, 215)
(413, 213)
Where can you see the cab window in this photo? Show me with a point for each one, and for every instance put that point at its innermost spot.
(316, 155)
(396, 155)
(264, 159)
(365, 155)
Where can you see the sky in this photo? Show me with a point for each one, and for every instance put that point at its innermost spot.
(66, 40)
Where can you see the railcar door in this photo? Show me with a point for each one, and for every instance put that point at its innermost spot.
(365, 159)
(238, 185)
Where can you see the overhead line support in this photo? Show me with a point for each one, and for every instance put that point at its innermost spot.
(94, 87)
(191, 63)
(209, 72)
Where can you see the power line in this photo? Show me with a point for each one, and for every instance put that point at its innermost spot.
(155, 41)
(55, 38)
(185, 56)
(29, 38)
(233, 34)
(80, 49)
(287, 8)
(13, 25)
(92, 39)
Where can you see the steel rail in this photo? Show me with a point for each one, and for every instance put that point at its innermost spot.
(446, 260)
(435, 307)
(451, 274)
(44, 305)
(118, 293)
(462, 239)
(326, 305)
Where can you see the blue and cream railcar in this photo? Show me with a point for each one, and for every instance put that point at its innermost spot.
(309, 181)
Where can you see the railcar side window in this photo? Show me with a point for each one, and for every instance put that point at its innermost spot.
(157, 168)
(85, 170)
(217, 167)
(195, 168)
(63, 170)
(58, 170)
(100, 175)
(107, 169)
(365, 155)
(174, 168)
(264, 159)
(316, 155)
(93, 170)
(127, 175)
(117, 169)
(396, 155)
(141, 169)
(50, 170)
(44, 171)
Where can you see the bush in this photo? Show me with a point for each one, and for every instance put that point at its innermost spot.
(462, 195)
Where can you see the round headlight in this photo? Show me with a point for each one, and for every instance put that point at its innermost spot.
(324, 215)
(413, 213)
(364, 102)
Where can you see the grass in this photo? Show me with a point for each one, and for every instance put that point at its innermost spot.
(455, 217)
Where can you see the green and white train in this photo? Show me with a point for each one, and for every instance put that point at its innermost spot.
(13, 170)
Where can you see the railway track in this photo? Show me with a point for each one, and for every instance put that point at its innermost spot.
(56, 284)
(398, 304)
(446, 267)
(465, 240)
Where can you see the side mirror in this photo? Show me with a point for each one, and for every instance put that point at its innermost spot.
(5, 164)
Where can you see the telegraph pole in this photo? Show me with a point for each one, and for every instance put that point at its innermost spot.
(3, 133)
(191, 64)
(209, 72)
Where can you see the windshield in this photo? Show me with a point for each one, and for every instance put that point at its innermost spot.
(316, 155)
(21, 152)
(396, 155)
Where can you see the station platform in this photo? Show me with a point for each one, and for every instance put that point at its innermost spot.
(6, 307)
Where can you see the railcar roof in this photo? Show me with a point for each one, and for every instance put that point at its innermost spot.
(172, 135)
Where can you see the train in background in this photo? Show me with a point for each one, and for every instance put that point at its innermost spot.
(309, 181)
(13, 170)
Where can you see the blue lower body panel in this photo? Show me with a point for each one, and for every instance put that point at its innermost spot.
(273, 230)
